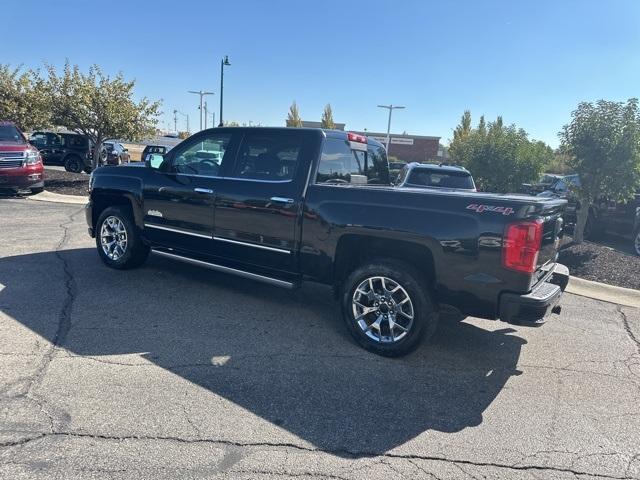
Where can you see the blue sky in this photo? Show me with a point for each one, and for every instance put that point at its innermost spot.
(530, 62)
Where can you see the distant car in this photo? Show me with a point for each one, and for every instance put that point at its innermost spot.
(546, 181)
(20, 163)
(428, 175)
(72, 150)
(394, 168)
(154, 149)
(116, 154)
(605, 216)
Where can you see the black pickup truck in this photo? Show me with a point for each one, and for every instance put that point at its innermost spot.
(286, 205)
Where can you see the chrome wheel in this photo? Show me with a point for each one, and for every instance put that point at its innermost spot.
(113, 237)
(382, 309)
(636, 243)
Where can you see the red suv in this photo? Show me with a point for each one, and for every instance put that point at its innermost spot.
(20, 163)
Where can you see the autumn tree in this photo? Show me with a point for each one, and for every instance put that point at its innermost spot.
(99, 106)
(23, 98)
(327, 118)
(293, 118)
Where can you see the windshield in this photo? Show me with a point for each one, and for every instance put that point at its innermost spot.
(9, 133)
(442, 179)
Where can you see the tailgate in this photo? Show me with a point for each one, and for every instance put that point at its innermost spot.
(553, 230)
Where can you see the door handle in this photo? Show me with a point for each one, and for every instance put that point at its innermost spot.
(281, 200)
(203, 190)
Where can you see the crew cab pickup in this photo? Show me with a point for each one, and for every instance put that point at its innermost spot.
(287, 205)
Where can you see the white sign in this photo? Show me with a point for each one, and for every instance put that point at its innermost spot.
(394, 140)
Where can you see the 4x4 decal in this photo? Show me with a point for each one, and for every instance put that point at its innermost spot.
(490, 208)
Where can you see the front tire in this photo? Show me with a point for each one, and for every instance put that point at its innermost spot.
(73, 164)
(118, 240)
(388, 308)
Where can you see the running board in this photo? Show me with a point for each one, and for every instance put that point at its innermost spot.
(234, 271)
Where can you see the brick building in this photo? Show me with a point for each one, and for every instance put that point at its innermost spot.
(411, 148)
(408, 148)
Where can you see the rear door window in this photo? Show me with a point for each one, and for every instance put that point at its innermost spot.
(430, 178)
(272, 157)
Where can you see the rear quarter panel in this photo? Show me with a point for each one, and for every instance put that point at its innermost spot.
(465, 241)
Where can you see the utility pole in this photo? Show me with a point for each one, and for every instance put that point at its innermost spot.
(175, 120)
(206, 115)
(202, 95)
(223, 63)
(391, 108)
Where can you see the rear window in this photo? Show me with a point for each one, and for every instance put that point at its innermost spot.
(430, 178)
(9, 133)
(339, 164)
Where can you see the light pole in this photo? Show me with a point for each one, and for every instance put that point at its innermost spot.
(223, 63)
(186, 115)
(202, 94)
(206, 115)
(175, 120)
(390, 108)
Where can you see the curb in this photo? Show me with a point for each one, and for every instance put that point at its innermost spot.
(47, 196)
(606, 293)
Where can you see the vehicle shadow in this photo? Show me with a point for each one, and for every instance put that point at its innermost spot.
(284, 356)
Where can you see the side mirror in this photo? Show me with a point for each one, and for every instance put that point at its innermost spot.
(153, 160)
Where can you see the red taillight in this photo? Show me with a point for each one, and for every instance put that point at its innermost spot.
(521, 246)
(355, 137)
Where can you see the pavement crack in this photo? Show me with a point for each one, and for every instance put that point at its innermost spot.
(627, 328)
(339, 452)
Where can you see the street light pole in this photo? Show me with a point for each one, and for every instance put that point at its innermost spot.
(390, 108)
(223, 63)
(175, 120)
(202, 94)
(206, 115)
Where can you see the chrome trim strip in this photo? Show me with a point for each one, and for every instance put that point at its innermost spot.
(175, 230)
(247, 244)
(234, 271)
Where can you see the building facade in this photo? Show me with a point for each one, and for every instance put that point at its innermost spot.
(410, 148)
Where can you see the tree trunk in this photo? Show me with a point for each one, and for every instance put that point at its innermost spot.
(95, 161)
(581, 221)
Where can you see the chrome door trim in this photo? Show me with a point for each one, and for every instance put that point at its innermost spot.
(247, 244)
(234, 271)
(288, 201)
(175, 230)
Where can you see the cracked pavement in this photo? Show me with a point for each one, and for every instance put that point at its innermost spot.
(170, 371)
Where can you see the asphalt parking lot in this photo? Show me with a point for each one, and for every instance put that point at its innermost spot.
(171, 372)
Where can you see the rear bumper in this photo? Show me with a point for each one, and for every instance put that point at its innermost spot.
(534, 307)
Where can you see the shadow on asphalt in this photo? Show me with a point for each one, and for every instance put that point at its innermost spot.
(284, 356)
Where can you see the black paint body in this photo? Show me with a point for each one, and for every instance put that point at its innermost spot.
(325, 226)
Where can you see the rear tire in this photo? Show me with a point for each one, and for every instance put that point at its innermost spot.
(636, 242)
(388, 308)
(73, 164)
(118, 240)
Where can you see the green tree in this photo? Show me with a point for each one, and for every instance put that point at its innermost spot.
(99, 106)
(293, 118)
(501, 158)
(327, 118)
(603, 144)
(23, 98)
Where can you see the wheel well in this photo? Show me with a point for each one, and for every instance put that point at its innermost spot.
(354, 250)
(102, 202)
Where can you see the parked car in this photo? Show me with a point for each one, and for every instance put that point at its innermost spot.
(291, 205)
(427, 175)
(20, 163)
(395, 168)
(605, 216)
(545, 183)
(72, 150)
(157, 149)
(116, 154)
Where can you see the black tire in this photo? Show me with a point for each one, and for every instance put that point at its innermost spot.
(636, 242)
(73, 163)
(37, 190)
(135, 251)
(88, 169)
(424, 309)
